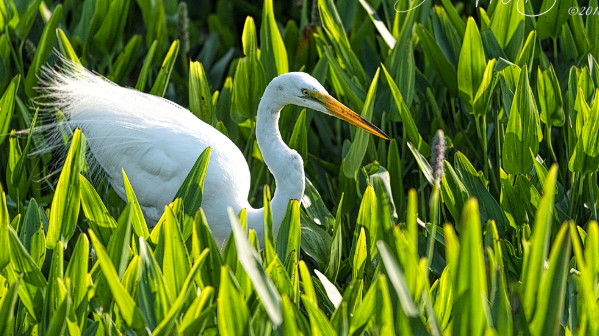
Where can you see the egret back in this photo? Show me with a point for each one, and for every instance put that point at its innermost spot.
(155, 141)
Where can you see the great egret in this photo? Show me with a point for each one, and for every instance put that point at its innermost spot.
(157, 142)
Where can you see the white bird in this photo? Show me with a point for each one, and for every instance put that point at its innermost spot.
(156, 142)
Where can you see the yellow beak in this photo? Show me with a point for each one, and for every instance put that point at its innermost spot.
(335, 108)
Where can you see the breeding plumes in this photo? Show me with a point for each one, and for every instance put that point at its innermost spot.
(156, 142)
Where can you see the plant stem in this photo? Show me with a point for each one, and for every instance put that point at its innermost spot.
(549, 144)
(434, 205)
(555, 52)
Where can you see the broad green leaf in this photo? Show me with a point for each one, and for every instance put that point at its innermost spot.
(337, 246)
(43, 49)
(127, 59)
(471, 66)
(523, 132)
(139, 222)
(77, 272)
(153, 297)
(319, 322)
(299, 137)
(356, 153)
(170, 320)
(66, 49)
(397, 279)
(7, 307)
(23, 263)
(99, 220)
(199, 94)
(510, 202)
(423, 163)
(585, 158)
(550, 97)
(483, 96)
(145, 69)
(315, 206)
(289, 233)
(65, 203)
(232, 312)
(272, 53)
(489, 208)
(251, 263)
(32, 233)
(438, 61)
(7, 106)
(453, 191)
(164, 75)
(507, 21)
(395, 168)
(552, 286)
(250, 80)
(26, 19)
(192, 188)
(201, 239)
(112, 26)
(470, 283)
(536, 254)
(379, 24)
(551, 17)
(175, 263)
(406, 117)
(375, 308)
(360, 256)
(527, 54)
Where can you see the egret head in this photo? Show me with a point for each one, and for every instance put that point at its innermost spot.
(301, 89)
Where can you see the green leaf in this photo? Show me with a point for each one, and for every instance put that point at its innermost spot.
(112, 26)
(250, 260)
(42, 51)
(164, 75)
(379, 24)
(32, 233)
(483, 96)
(23, 263)
(127, 59)
(510, 202)
(552, 285)
(201, 239)
(550, 98)
(315, 206)
(77, 272)
(153, 298)
(585, 158)
(523, 132)
(471, 66)
(299, 137)
(551, 17)
(199, 94)
(66, 49)
(65, 203)
(406, 117)
(7, 307)
(250, 80)
(145, 69)
(232, 312)
(360, 256)
(375, 307)
(337, 246)
(356, 153)
(470, 284)
(139, 222)
(536, 254)
(489, 208)
(527, 54)
(398, 280)
(319, 323)
(175, 263)
(26, 19)
(7, 106)
(99, 220)
(192, 188)
(289, 233)
(438, 61)
(127, 308)
(171, 319)
(272, 53)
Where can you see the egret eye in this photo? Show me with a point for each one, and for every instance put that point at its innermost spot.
(305, 92)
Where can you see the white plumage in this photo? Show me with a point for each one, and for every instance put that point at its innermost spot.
(156, 142)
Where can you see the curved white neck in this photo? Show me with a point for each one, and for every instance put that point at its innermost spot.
(285, 164)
